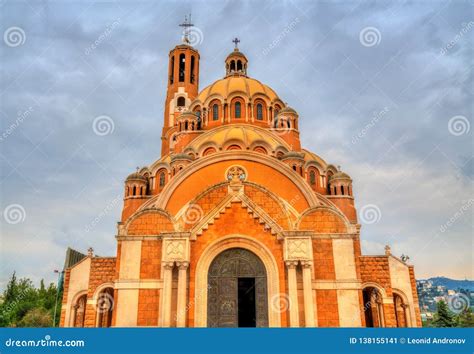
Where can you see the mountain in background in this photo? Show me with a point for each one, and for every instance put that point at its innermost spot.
(452, 283)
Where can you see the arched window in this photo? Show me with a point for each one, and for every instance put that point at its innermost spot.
(342, 190)
(191, 79)
(239, 65)
(215, 112)
(312, 178)
(80, 311)
(400, 311)
(232, 65)
(181, 101)
(182, 63)
(134, 190)
(198, 113)
(105, 306)
(237, 109)
(172, 70)
(294, 168)
(162, 179)
(259, 111)
(373, 308)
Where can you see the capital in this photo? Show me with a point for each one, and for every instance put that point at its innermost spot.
(168, 265)
(291, 264)
(182, 265)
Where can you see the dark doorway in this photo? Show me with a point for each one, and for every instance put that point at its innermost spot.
(246, 302)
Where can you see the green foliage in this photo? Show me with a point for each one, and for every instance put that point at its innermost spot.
(443, 317)
(26, 306)
(465, 319)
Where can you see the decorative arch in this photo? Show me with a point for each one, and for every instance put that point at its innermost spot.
(78, 308)
(409, 310)
(309, 220)
(104, 303)
(161, 200)
(161, 220)
(212, 251)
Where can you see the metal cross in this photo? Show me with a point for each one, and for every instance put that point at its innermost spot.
(236, 42)
(186, 25)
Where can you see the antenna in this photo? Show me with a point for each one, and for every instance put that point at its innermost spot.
(186, 25)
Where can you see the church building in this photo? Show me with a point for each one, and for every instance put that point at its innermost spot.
(236, 224)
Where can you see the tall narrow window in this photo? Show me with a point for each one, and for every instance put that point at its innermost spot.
(312, 178)
(182, 62)
(215, 112)
(172, 70)
(191, 79)
(237, 109)
(239, 65)
(259, 111)
(232, 65)
(162, 179)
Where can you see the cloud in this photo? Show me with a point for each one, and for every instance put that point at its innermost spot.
(407, 163)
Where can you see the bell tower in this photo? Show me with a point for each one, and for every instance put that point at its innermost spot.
(183, 83)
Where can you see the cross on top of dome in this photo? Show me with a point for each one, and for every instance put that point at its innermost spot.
(236, 62)
(236, 41)
(186, 25)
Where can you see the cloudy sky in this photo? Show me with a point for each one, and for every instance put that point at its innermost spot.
(383, 89)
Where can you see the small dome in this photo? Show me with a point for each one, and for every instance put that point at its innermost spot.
(340, 175)
(188, 114)
(287, 110)
(135, 176)
(236, 53)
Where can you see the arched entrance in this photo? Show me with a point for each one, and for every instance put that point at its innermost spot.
(237, 290)
(373, 307)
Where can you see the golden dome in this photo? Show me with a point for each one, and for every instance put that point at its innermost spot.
(237, 86)
(244, 135)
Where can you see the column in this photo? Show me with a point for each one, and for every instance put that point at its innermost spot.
(293, 293)
(308, 294)
(167, 284)
(182, 281)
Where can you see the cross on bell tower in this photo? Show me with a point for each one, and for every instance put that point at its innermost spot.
(186, 25)
(236, 41)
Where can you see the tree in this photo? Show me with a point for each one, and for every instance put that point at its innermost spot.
(465, 318)
(26, 306)
(36, 317)
(443, 317)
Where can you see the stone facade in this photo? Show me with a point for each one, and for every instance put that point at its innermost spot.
(233, 176)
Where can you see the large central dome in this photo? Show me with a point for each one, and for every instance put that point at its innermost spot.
(237, 86)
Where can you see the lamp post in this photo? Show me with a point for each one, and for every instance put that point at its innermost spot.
(59, 272)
